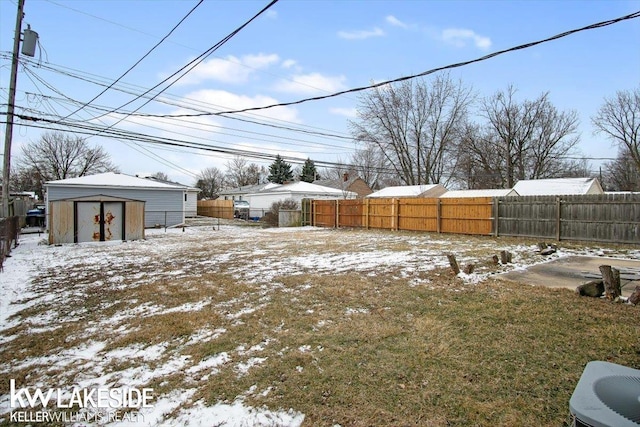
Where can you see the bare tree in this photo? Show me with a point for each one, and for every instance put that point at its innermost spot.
(520, 140)
(370, 165)
(415, 125)
(210, 180)
(622, 174)
(160, 176)
(60, 156)
(619, 119)
(240, 172)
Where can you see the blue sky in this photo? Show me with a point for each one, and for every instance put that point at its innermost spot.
(299, 49)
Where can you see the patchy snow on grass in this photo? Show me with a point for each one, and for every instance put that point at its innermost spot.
(250, 255)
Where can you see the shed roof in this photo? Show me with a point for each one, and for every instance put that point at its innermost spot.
(558, 186)
(433, 190)
(113, 179)
(489, 192)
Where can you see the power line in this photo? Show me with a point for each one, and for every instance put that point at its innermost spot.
(425, 73)
(138, 61)
(192, 64)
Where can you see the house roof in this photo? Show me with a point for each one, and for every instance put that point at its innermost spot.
(408, 191)
(305, 187)
(115, 180)
(336, 183)
(557, 186)
(489, 192)
(246, 189)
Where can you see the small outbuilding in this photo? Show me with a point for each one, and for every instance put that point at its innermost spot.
(95, 218)
(430, 190)
(558, 187)
(166, 204)
(353, 183)
(489, 192)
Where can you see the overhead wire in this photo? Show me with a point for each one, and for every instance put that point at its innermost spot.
(175, 27)
(413, 76)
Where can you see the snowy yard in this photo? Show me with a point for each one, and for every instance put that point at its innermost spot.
(248, 326)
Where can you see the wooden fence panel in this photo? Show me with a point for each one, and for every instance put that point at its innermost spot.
(324, 213)
(466, 215)
(418, 214)
(216, 208)
(350, 213)
(381, 213)
(527, 216)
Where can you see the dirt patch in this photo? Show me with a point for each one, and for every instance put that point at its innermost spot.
(572, 271)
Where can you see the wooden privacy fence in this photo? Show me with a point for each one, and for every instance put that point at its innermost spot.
(611, 218)
(600, 218)
(216, 208)
(464, 216)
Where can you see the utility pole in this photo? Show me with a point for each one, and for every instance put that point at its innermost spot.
(10, 108)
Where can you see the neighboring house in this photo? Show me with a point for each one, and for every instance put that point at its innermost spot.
(558, 187)
(354, 184)
(490, 192)
(241, 193)
(165, 204)
(432, 190)
(261, 202)
(191, 200)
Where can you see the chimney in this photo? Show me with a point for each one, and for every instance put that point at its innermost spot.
(345, 177)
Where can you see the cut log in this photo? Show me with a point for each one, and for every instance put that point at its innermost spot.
(594, 288)
(611, 279)
(635, 296)
(505, 257)
(548, 251)
(468, 269)
(542, 246)
(453, 263)
(495, 259)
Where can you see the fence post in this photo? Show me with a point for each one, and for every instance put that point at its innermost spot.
(438, 215)
(337, 213)
(496, 217)
(558, 202)
(366, 214)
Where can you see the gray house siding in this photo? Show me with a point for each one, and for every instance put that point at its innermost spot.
(162, 207)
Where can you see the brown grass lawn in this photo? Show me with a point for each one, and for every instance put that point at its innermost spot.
(363, 345)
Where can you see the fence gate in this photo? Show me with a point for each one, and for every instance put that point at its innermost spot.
(99, 221)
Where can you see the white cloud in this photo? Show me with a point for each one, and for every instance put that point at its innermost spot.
(230, 69)
(230, 101)
(345, 112)
(271, 14)
(459, 37)
(311, 83)
(396, 22)
(289, 63)
(360, 34)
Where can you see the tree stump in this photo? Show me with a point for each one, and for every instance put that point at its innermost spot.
(453, 263)
(495, 259)
(611, 279)
(635, 296)
(468, 269)
(594, 288)
(505, 257)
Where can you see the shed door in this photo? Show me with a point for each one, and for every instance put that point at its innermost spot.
(113, 221)
(99, 221)
(87, 221)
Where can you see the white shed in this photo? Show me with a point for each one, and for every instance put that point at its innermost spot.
(166, 204)
(489, 192)
(261, 202)
(430, 190)
(558, 187)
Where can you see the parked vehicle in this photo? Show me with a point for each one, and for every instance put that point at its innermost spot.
(241, 209)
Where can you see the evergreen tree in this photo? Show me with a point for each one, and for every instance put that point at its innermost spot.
(280, 171)
(309, 172)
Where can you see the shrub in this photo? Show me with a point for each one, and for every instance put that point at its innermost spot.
(271, 217)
